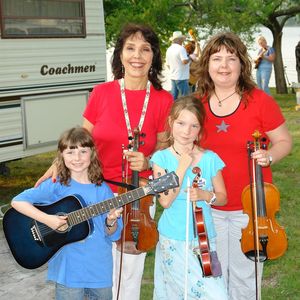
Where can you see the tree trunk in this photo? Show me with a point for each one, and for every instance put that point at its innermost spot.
(281, 87)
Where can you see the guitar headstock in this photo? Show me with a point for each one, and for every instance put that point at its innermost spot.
(163, 183)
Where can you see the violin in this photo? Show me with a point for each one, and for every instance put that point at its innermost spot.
(263, 238)
(140, 231)
(203, 252)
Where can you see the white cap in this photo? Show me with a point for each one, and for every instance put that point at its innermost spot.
(177, 35)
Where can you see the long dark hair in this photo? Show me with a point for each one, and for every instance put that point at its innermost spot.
(233, 44)
(72, 138)
(149, 36)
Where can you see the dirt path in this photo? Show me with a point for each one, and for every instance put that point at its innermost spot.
(17, 283)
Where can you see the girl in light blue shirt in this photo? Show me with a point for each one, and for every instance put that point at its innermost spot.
(178, 270)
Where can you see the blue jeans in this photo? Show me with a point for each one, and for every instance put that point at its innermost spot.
(65, 293)
(262, 78)
(179, 88)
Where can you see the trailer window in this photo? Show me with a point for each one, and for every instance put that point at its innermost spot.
(42, 18)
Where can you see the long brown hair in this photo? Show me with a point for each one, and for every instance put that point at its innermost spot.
(150, 36)
(233, 44)
(72, 138)
(193, 105)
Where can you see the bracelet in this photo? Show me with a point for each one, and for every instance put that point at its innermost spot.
(110, 225)
(213, 199)
(149, 164)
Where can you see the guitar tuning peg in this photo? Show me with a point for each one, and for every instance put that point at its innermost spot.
(158, 174)
(166, 192)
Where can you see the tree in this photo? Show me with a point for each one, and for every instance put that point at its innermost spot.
(240, 16)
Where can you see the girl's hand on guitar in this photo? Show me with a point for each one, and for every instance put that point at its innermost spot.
(51, 172)
(137, 160)
(114, 214)
(56, 222)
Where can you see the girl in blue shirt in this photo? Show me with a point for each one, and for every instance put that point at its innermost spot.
(84, 268)
(177, 270)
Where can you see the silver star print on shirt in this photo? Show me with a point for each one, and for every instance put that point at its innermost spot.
(222, 127)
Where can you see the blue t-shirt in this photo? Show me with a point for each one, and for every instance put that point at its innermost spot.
(265, 64)
(172, 222)
(87, 263)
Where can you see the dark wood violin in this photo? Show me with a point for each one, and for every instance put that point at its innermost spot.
(203, 252)
(263, 238)
(140, 231)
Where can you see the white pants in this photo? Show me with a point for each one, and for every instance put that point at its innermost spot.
(132, 270)
(131, 276)
(237, 269)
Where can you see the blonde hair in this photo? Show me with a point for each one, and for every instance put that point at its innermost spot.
(72, 138)
(193, 105)
(261, 38)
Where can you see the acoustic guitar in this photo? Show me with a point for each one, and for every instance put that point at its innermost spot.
(33, 243)
(260, 58)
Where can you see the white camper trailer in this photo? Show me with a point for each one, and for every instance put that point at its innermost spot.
(52, 53)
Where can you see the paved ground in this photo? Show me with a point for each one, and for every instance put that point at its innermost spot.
(17, 283)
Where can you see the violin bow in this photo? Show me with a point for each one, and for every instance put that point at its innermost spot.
(252, 178)
(187, 238)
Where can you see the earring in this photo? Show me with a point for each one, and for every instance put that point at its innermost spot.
(151, 71)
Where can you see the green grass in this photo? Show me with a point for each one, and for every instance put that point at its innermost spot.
(281, 278)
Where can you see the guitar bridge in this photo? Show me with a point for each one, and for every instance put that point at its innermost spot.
(36, 235)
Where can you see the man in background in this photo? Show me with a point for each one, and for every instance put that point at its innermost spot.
(178, 62)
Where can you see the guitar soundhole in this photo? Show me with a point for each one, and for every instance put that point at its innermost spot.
(63, 228)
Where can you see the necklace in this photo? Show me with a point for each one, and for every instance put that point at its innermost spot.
(126, 115)
(178, 152)
(220, 101)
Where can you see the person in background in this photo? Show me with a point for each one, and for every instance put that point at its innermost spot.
(193, 51)
(177, 61)
(203, 168)
(235, 108)
(82, 268)
(297, 54)
(134, 99)
(263, 64)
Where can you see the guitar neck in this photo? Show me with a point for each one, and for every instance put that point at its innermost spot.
(94, 210)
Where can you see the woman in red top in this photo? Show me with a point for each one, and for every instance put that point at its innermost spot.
(134, 99)
(235, 108)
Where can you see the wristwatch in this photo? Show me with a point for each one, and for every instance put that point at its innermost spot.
(110, 225)
(213, 199)
(270, 160)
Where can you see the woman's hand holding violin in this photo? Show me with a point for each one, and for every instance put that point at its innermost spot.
(262, 157)
(137, 161)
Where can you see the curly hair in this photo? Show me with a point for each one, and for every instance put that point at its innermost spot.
(150, 37)
(190, 47)
(233, 44)
(193, 105)
(72, 138)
